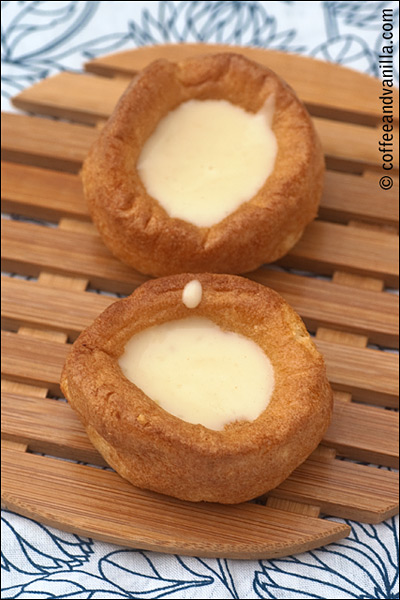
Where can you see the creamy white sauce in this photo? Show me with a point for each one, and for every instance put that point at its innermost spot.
(207, 157)
(200, 373)
(192, 294)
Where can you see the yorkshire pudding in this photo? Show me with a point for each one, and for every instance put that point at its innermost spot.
(135, 226)
(156, 450)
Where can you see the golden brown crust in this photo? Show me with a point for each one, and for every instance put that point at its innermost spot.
(155, 450)
(138, 230)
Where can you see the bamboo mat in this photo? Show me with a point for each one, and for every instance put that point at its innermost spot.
(353, 245)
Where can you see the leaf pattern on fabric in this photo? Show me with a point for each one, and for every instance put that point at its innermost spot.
(148, 580)
(347, 50)
(66, 584)
(69, 550)
(363, 554)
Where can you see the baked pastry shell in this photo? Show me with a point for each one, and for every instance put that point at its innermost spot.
(156, 450)
(134, 225)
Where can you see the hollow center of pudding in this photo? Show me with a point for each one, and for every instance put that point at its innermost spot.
(200, 373)
(207, 157)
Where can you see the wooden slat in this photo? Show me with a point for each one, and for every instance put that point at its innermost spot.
(297, 507)
(22, 389)
(319, 303)
(365, 433)
(86, 99)
(74, 96)
(45, 194)
(47, 426)
(340, 488)
(370, 375)
(42, 307)
(350, 147)
(41, 193)
(43, 334)
(44, 142)
(327, 89)
(347, 197)
(15, 446)
(29, 249)
(342, 337)
(324, 303)
(32, 361)
(357, 431)
(343, 489)
(328, 247)
(26, 302)
(58, 282)
(358, 281)
(122, 514)
(324, 248)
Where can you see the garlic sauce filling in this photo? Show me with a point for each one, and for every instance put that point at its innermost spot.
(200, 373)
(207, 157)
